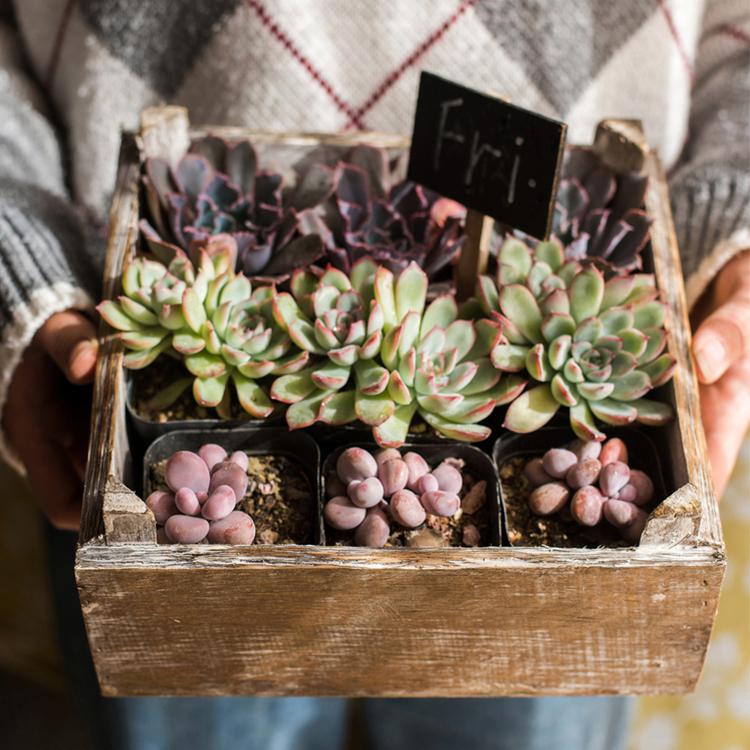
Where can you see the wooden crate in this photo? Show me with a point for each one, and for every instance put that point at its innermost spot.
(306, 620)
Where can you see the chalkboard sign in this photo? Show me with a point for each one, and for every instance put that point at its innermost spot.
(496, 158)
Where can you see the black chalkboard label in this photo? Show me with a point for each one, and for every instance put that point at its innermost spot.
(494, 157)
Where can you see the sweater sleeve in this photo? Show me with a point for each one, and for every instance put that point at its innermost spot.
(710, 186)
(44, 267)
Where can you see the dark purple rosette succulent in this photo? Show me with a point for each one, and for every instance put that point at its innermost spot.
(359, 210)
(217, 198)
(599, 214)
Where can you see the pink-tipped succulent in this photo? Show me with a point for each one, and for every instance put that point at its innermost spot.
(430, 363)
(370, 492)
(599, 214)
(594, 483)
(204, 489)
(592, 345)
(360, 210)
(217, 191)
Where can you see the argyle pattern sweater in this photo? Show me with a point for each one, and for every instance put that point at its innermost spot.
(73, 73)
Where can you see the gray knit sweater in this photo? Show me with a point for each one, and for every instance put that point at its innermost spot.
(74, 72)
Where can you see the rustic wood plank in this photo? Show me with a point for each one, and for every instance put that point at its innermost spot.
(108, 451)
(165, 132)
(126, 517)
(395, 629)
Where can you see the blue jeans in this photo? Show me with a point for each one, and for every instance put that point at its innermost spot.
(317, 723)
(391, 724)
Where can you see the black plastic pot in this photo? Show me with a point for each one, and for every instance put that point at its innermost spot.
(642, 454)
(255, 441)
(477, 462)
(148, 430)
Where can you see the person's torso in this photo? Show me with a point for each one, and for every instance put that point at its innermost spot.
(336, 64)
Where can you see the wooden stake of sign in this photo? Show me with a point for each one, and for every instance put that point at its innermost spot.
(474, 253)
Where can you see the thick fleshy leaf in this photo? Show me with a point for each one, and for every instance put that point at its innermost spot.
(509, 357)
(210, 391)
(551, 253)
(644, 289)
(589, 329)
(562, 391)
(371, 378)
(613, 412)
(586, 294)
(237, 289)
(253, 399)
(489, 333)
(538, 274)
(556, 324)
(330, 376)
(169, 394)
(470, 410)
(595, 391)
(464, 433)
(519, 305)
(622, 364)
(325, 337)
(392, 433)
(572, 371)
(460, 335)
(186, 342)
(389, 347)
(293, 387)
(616, 291)
(137, 360)
(485, 377)
(439, 403)
(142, 340)
(531, 410)
(657, 340)
(487, 294)
(255, 369)
(507, 389)
(411, 290)
(440, 313)
(303, 335)
(344, 356)
(558, 351)
(633, 342)
(374, 410)
(193, 310)
(205, 365)
(305, 412)
(409, 332)
(293, 363)
(631, 386)
(649, 315)
(616, 319)
(582, 423)
(538, 365)
(660, 370)
(371, 345)
(136, 311)
(652, 413)
(385, 295)
(514, 260)
(557, 301)
(337, 408)
(398, 389)
(117, 318)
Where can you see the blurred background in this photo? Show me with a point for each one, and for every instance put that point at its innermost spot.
(38, 709)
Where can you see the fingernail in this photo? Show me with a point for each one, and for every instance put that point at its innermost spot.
(711, 358)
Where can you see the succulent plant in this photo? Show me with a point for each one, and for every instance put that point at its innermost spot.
(591, 345)
(360, 211)
(204, 489)
(369, 492)
(594, 482)
(598, 213)
(212, 319)
(430, 363)
(216, 191)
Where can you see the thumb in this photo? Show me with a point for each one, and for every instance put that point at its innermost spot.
(70, 339)
(723, 337)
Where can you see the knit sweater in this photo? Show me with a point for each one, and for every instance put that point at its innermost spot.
(73, 73)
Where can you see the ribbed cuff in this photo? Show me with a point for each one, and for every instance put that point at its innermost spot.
(712, 218)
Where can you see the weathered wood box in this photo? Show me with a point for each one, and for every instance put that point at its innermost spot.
(309, 620)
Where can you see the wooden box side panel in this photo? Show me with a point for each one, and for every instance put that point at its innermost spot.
(338, 628)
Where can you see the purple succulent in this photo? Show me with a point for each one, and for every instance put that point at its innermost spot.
(216, 196)
(599, 214)
(358, 211)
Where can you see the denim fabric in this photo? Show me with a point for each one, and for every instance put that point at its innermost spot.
(391, 724)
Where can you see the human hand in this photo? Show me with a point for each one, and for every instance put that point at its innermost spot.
(721, 347)
(46, 415)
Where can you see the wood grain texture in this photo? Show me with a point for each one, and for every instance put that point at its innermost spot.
(306, 621)
(126, 517)
(474, 253)
(486, 621)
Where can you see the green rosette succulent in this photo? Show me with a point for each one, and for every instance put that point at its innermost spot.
(211, 318)
(428, 362)
(593, 345)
